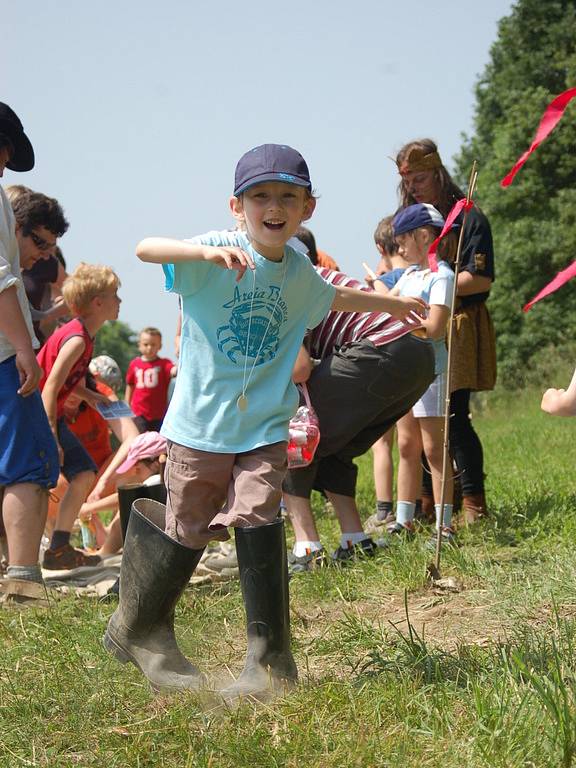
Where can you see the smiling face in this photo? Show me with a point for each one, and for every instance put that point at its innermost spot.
(271, 213)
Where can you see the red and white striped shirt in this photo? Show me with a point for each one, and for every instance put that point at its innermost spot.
(340, 328)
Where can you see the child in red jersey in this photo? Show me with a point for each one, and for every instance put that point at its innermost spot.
(91, 294)
(147, 382)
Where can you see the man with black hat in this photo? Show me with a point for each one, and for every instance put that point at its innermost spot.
(29, 462)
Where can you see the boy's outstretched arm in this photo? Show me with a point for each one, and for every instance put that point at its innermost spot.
(401, 307)
(164, 250)
(560, 402)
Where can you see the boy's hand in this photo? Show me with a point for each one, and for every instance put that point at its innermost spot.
(29, 371)
(229, 257)
(408, 307)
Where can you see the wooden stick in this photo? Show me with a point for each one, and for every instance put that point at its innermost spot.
(446, 443)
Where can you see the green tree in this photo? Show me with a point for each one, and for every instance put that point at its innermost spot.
(119, 341)
(534, 220)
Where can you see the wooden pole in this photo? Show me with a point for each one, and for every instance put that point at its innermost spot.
(434, 568)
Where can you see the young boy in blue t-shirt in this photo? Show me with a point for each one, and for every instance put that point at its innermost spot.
(247, 300)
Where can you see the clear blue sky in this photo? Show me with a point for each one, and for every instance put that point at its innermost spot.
(138, 112)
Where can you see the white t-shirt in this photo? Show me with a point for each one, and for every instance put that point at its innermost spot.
(235, 334)
(434, 288)
(10, 273)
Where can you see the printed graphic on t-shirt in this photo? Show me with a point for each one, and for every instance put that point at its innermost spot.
(147, 378)
(253, 328)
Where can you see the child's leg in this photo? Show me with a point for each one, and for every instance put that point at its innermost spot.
(300, 515)
(409, 469)
(75, 495)
(432, 429)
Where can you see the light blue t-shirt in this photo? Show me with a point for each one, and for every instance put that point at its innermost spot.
(217, 331)
(434, 288)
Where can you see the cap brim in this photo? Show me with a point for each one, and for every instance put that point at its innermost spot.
(23, 158)
(286, 178)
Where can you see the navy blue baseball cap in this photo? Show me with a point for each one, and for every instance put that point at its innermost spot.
(271, 162)
(415, 216)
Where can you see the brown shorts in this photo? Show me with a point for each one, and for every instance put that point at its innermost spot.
(207, 492)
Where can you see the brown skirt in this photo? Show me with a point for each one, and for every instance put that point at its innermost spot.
(473, 349)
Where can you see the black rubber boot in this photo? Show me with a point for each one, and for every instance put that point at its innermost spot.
(155, 571)
(264, 578)
(127, 495)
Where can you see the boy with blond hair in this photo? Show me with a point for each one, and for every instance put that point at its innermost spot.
(91, 294)
(147, 381)
(247, 300)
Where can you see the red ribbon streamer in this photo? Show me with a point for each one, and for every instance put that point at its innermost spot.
(553, 285)
(550, 119)
(450, 219)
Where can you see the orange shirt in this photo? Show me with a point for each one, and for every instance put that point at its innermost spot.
(92, 430)
(326, 261)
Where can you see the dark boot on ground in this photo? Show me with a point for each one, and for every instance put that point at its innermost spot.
(473, 508)
(155, 571)
(263, 568)
(127, 495)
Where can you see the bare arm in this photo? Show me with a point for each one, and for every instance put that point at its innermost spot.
(560, 402)
(401, 307)
(303, 367)
(163, 250)
(110, 471)
(436, 322)
(69, 353)
(128, 392)
(469, 284)
(13, 327)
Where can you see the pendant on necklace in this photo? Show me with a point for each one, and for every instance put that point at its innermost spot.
(242, 403)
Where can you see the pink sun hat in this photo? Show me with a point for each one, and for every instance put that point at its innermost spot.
(148, 445)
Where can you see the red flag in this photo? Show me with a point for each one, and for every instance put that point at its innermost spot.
(550, 119)
(553, 285)
(450, 219)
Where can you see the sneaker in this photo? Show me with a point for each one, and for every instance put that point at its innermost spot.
(398, 529)
(66, 558)
(365, 548)
(448, 537)
(376, 524)
(311, 561)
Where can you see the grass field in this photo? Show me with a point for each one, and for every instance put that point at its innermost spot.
(393, 673)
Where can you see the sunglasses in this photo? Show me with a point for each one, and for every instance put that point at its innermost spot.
(40, 243)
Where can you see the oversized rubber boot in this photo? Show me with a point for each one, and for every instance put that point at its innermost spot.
(127, 495)
(155, 571)
(264, 578)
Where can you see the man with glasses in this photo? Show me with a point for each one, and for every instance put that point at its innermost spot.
(39, 222)
(28, 454)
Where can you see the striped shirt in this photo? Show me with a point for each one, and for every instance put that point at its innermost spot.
(340, 328)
